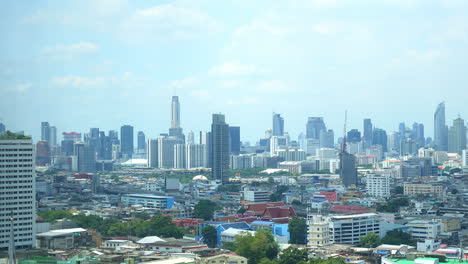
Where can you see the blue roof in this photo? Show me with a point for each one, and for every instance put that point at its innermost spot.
(327, 190)
(318, 200)
(241, 225)
(262, 223)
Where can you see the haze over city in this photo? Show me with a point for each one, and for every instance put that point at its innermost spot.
(82, 64)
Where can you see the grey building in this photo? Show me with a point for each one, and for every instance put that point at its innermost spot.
(220, 148)
(234, 139)
(348, 172)
(166, 151)
(141, 142)
(327, 139)
(353, 136)
(368, 132)
(45, 132)
(457, 136)
(152, 153)
(85, 157)
(2, 128)
(175, 130)
(52, 136)
(314, 126)
(440, 128)
(379, 137)
(126, 140)
(278, 125)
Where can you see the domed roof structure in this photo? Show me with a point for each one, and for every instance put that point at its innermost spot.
(200, 178)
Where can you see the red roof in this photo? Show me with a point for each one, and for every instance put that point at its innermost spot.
(279, 212)
(259, 208)
(349, 209)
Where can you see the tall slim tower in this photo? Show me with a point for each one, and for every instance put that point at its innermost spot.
(175, 112)
(45, 132)
(220, 148)
(368, 133)
(440, 128)
(457, 136)
(278, 125)
(348, 173)
(126, 140)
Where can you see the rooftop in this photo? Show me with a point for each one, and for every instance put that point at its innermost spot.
(10, 135)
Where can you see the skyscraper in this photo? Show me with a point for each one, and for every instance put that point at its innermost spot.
(152, 153)
(52, 136)
(126, 140)
(2, 128)
(440, 128)
(348, 172)
(196, 156)
(85, 157)
(18, 192)
(42, 153)
(314, 126)
(234, 140)
(457, 136)
(278, 125)
(190, 137)
(175, 130)
(166, 151)
(380, 138)
(353, 136)
(45, 132)
(220, 148)
(368, 133)
(180, 156)
(141, 142)
(327, 139)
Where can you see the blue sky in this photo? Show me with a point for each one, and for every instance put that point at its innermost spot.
(82, 64)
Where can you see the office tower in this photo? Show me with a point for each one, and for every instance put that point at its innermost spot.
(53, 136)
(234, 140)
(393, 145)
(314, 126)
(353, 136)
(175, 130)
(327, 139)
(196, 156)
(277, 142)
(378, 185)
(440, 128)
(73, 136)
(368, 133)
(45, 132)
(92, 139)
(42, 153)
(418, 134)
(402, 130)
(179, 156)
(457, 136)
(302, 140)
(18, 192)
(206, 139)
(166, 151)
(379, 137)
(105, 144)
(141, 142)
(85, 155)
(190, 137)
(278, 125)
(312, 145)
(67, 147)
(2, 128)
(126, 140)
(114, 136)
(220, 148)
(348, 172)
(152, 153)
(408, 147)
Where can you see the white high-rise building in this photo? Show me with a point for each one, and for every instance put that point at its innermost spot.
(318, 231)
(277, 142)
(312, 145)
(166, 151)
(378, 185)
(196, 156)
(348, 229)
(17, 192)
(179, 156)
(190, 137)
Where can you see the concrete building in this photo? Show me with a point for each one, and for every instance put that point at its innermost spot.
(17, 192)
(457, 136)
(465, 158)
(276, 143)
(151, 201)
(234, 140)
(291, 154)
(196, 156)
(318, 231)
(256, 195)
(424, 229)
(422, 188)
(348, 229)
(180, 156)
(312, 145)
(141, 142)
(126, 140)
(220, 148)
(348, 173)
(278, 125)
(166, 151)
(152, 153)
(85, 158)
(63, 239)
(440, 128)
(378, 185)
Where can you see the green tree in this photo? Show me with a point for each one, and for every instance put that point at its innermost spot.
(53, 215)
(293, 255)
(256, 247)
(210, 236)
(454, 191)
(398, 237)
(370, 240)
(298, 230)
(296, 202)
(393, 206)
(205, 209)
(399, 190)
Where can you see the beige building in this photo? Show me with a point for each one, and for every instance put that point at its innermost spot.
(225, 258)
(422, 188)
(319, 232)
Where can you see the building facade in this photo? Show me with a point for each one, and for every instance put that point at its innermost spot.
(220, 148)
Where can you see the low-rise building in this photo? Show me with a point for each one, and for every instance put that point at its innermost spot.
(422, 188)
(424, 229)
(225, 258)
(151, 201)
(348, 229)
(63, 239)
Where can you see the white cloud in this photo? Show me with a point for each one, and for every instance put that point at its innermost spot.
(80, 47)
(183, 83)
(78, 81)
(19, 87)
(234, 68)
(244, 101)
(201, 94)
(273, 86)
(168, 22)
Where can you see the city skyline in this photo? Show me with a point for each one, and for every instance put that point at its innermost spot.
(294, 59)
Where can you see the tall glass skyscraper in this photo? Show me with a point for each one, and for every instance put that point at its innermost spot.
(220, 148)
(278, 125)
(457, 136)
(234, 139)
(126, 140)
(175, 130)
(314, 126)
(440, 128)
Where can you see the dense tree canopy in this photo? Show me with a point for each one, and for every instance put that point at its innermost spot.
(256, 247)
(393, 206)
(398, 237)
(298, 230)
(370, 240)
(205, 209)
(209, 236)
(293, 255)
